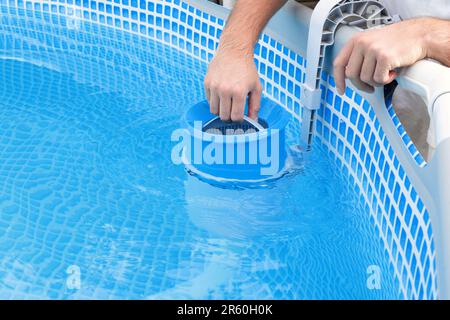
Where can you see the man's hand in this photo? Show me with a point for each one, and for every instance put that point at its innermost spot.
(231, 78)
(372, 57)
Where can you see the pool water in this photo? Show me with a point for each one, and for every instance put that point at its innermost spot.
(87, 184)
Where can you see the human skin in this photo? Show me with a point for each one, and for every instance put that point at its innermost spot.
(232, 74)
(369, 59)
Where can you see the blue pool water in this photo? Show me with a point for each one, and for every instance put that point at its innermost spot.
(87, 184)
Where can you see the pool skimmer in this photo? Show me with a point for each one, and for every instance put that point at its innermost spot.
(236, 151)
(248, 125)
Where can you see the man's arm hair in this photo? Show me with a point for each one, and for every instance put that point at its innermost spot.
(438, 40)
(246, 22)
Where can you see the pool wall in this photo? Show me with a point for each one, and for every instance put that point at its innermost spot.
(347, 126)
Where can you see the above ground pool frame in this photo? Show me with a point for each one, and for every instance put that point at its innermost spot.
(326, 18)
(427, 78)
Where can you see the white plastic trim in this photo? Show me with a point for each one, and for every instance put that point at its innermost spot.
(325, 19)
(441, 117)
(430, 80)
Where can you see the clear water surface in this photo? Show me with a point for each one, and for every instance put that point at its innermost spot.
(87, 184)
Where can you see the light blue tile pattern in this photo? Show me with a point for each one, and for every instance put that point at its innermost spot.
(346, 125)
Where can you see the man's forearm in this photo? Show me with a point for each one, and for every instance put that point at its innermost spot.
(246, 22)
(232, 79)
(438, 40)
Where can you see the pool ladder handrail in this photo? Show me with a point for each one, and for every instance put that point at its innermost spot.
(325, 19)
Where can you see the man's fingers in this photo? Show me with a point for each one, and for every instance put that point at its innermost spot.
(254, 102)
(238, 106)
(392, 75)
(368, 70)
(383, 72)
(208, 95)
(340, 63)
(225, 108)
(354, 69)
(214, 102)
(358, 83)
